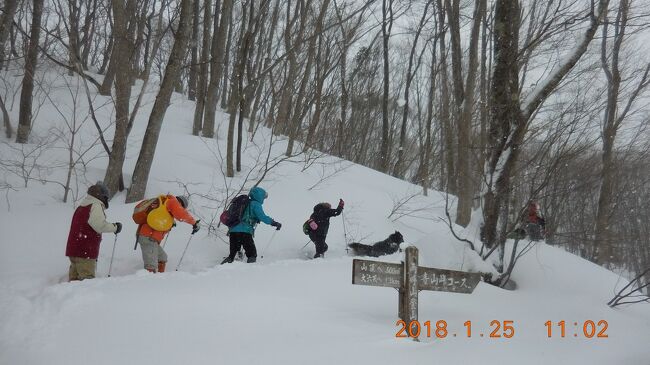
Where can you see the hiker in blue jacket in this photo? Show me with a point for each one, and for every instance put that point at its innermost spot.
(242, 234)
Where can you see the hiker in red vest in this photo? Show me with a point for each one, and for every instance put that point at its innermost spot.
(88, 224)
(535, 222)
(149, 238)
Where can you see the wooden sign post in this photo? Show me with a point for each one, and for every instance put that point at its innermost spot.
(408, 293)
(409, 279)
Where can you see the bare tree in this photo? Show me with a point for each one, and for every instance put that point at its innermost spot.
(25, 115)
(216, 67)
(612, 121)
(124, 51)
(465, 110)
(398, 170)
(510, 119)
(383, 162)
(203, 69)
(6, 22)
(194, 51)
(172, 71)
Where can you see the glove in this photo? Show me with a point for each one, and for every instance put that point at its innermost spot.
(118, 227)
(276, 225)
(341, 203)
(195, 227)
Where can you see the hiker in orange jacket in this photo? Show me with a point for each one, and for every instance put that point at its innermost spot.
(153, 255)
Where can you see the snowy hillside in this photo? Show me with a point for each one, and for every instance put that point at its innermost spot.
(284, 309)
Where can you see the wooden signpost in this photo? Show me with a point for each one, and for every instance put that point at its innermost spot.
(409, 279)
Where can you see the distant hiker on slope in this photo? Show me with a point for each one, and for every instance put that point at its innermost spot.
(156, 218)
(88, 224)
(242, 233)
(319, 223)
(535, 222)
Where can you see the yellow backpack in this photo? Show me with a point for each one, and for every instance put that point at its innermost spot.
(159, 217)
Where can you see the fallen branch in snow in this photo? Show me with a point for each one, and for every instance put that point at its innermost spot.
(634, 291)
(451, 225)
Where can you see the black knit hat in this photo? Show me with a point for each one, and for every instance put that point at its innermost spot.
(183, 200)
(99, 191)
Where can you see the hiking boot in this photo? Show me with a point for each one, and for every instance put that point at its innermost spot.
(251, 260)
(161, 266)
(321, 255)
(227, 260)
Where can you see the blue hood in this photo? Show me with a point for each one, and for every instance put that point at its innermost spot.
(258, 194)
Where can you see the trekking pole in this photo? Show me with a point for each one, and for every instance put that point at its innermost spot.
(166, 237)
(185, 250)
(110, 267)
(269, 244)
(345, 233)
(303, 247)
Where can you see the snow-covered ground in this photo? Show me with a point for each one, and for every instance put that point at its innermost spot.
(284, 309)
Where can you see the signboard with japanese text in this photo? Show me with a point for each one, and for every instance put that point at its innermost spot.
(375, 273)
(447, 280)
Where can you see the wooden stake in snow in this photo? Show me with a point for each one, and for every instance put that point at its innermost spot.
(409, 279)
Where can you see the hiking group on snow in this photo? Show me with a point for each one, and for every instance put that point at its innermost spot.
(156, 217)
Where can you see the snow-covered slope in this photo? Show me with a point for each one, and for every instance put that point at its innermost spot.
(283, 309)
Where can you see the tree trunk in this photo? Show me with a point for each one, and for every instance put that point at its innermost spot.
(172, 71)
(428, 143)
(203, 69)
(216, 68)
(226, 68)
(123, 50)
(320, 76)
(399, 169)
(194, 42)
(386, 26)
(6, 23)
(9, 131)
(88, 31)
(282, 122)
(311, 54)
(107, 55)
(465, 176)
(611, 124)
(445, 103)
(235, 102)
(26, 95)
(485, 81)
(73, 35)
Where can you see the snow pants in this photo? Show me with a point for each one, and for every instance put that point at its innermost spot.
(239, 239)
(319, 242)
(152, 253)
(81, 268)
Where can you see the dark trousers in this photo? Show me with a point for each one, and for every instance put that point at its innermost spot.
(237, 240)
(320, 244)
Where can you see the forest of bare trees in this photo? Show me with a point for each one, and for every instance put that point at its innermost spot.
(496, 102)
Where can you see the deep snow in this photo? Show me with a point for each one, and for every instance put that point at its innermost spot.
(283, 309)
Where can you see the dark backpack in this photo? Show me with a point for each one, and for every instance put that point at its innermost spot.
(233, 215)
